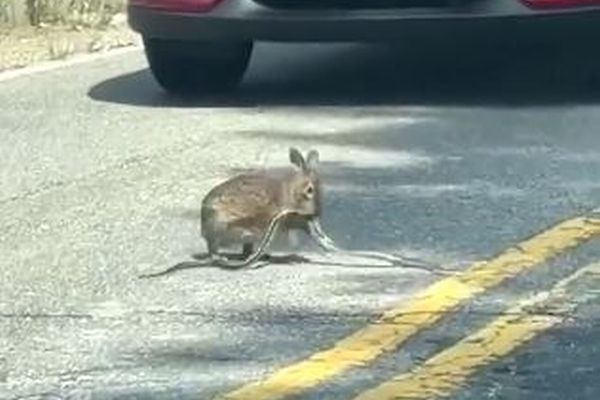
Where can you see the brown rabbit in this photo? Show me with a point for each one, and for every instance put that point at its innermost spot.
(248, 209)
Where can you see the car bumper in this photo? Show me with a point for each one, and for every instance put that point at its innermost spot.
(235, 20)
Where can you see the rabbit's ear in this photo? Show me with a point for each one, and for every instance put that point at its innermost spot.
(312, 160)
(297, 159)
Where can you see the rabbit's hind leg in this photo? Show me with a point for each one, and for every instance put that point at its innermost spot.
(253, 260)
(248, 252)
(250, 259)
(213, 253)
(247, 249)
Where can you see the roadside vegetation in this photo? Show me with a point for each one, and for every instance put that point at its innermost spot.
(32, 31)
(74, 13)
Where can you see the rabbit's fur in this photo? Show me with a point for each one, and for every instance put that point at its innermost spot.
(247, 209)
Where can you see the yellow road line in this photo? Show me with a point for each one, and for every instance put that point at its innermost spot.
(402, 322)
(446, 371)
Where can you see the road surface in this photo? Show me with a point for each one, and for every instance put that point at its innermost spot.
(486, 165)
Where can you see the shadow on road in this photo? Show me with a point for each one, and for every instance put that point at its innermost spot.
(436, 74)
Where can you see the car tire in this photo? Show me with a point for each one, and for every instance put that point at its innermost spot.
(192, 67)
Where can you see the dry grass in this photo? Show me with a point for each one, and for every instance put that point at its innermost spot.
(40, 30)
(23, 46)
(77, 13)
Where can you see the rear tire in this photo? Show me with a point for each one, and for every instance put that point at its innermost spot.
(191, 67)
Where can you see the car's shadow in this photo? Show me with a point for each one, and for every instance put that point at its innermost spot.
(436, 74)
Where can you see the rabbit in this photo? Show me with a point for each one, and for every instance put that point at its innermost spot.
(248, 209)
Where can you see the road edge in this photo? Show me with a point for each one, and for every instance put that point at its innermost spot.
(77, 59)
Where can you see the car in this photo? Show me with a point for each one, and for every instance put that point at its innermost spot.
(204, 46)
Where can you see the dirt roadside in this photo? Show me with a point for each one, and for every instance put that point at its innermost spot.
(27, 46)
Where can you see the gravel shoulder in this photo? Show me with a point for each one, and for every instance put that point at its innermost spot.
(27, 46)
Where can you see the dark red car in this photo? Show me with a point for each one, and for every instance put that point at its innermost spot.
(205, 45)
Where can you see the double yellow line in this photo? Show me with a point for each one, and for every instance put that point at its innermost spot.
(425, 309)
(447, 370)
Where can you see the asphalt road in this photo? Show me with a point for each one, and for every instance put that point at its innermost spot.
(450, 157)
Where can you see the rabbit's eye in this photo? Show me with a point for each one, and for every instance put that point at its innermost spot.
(309, 191)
